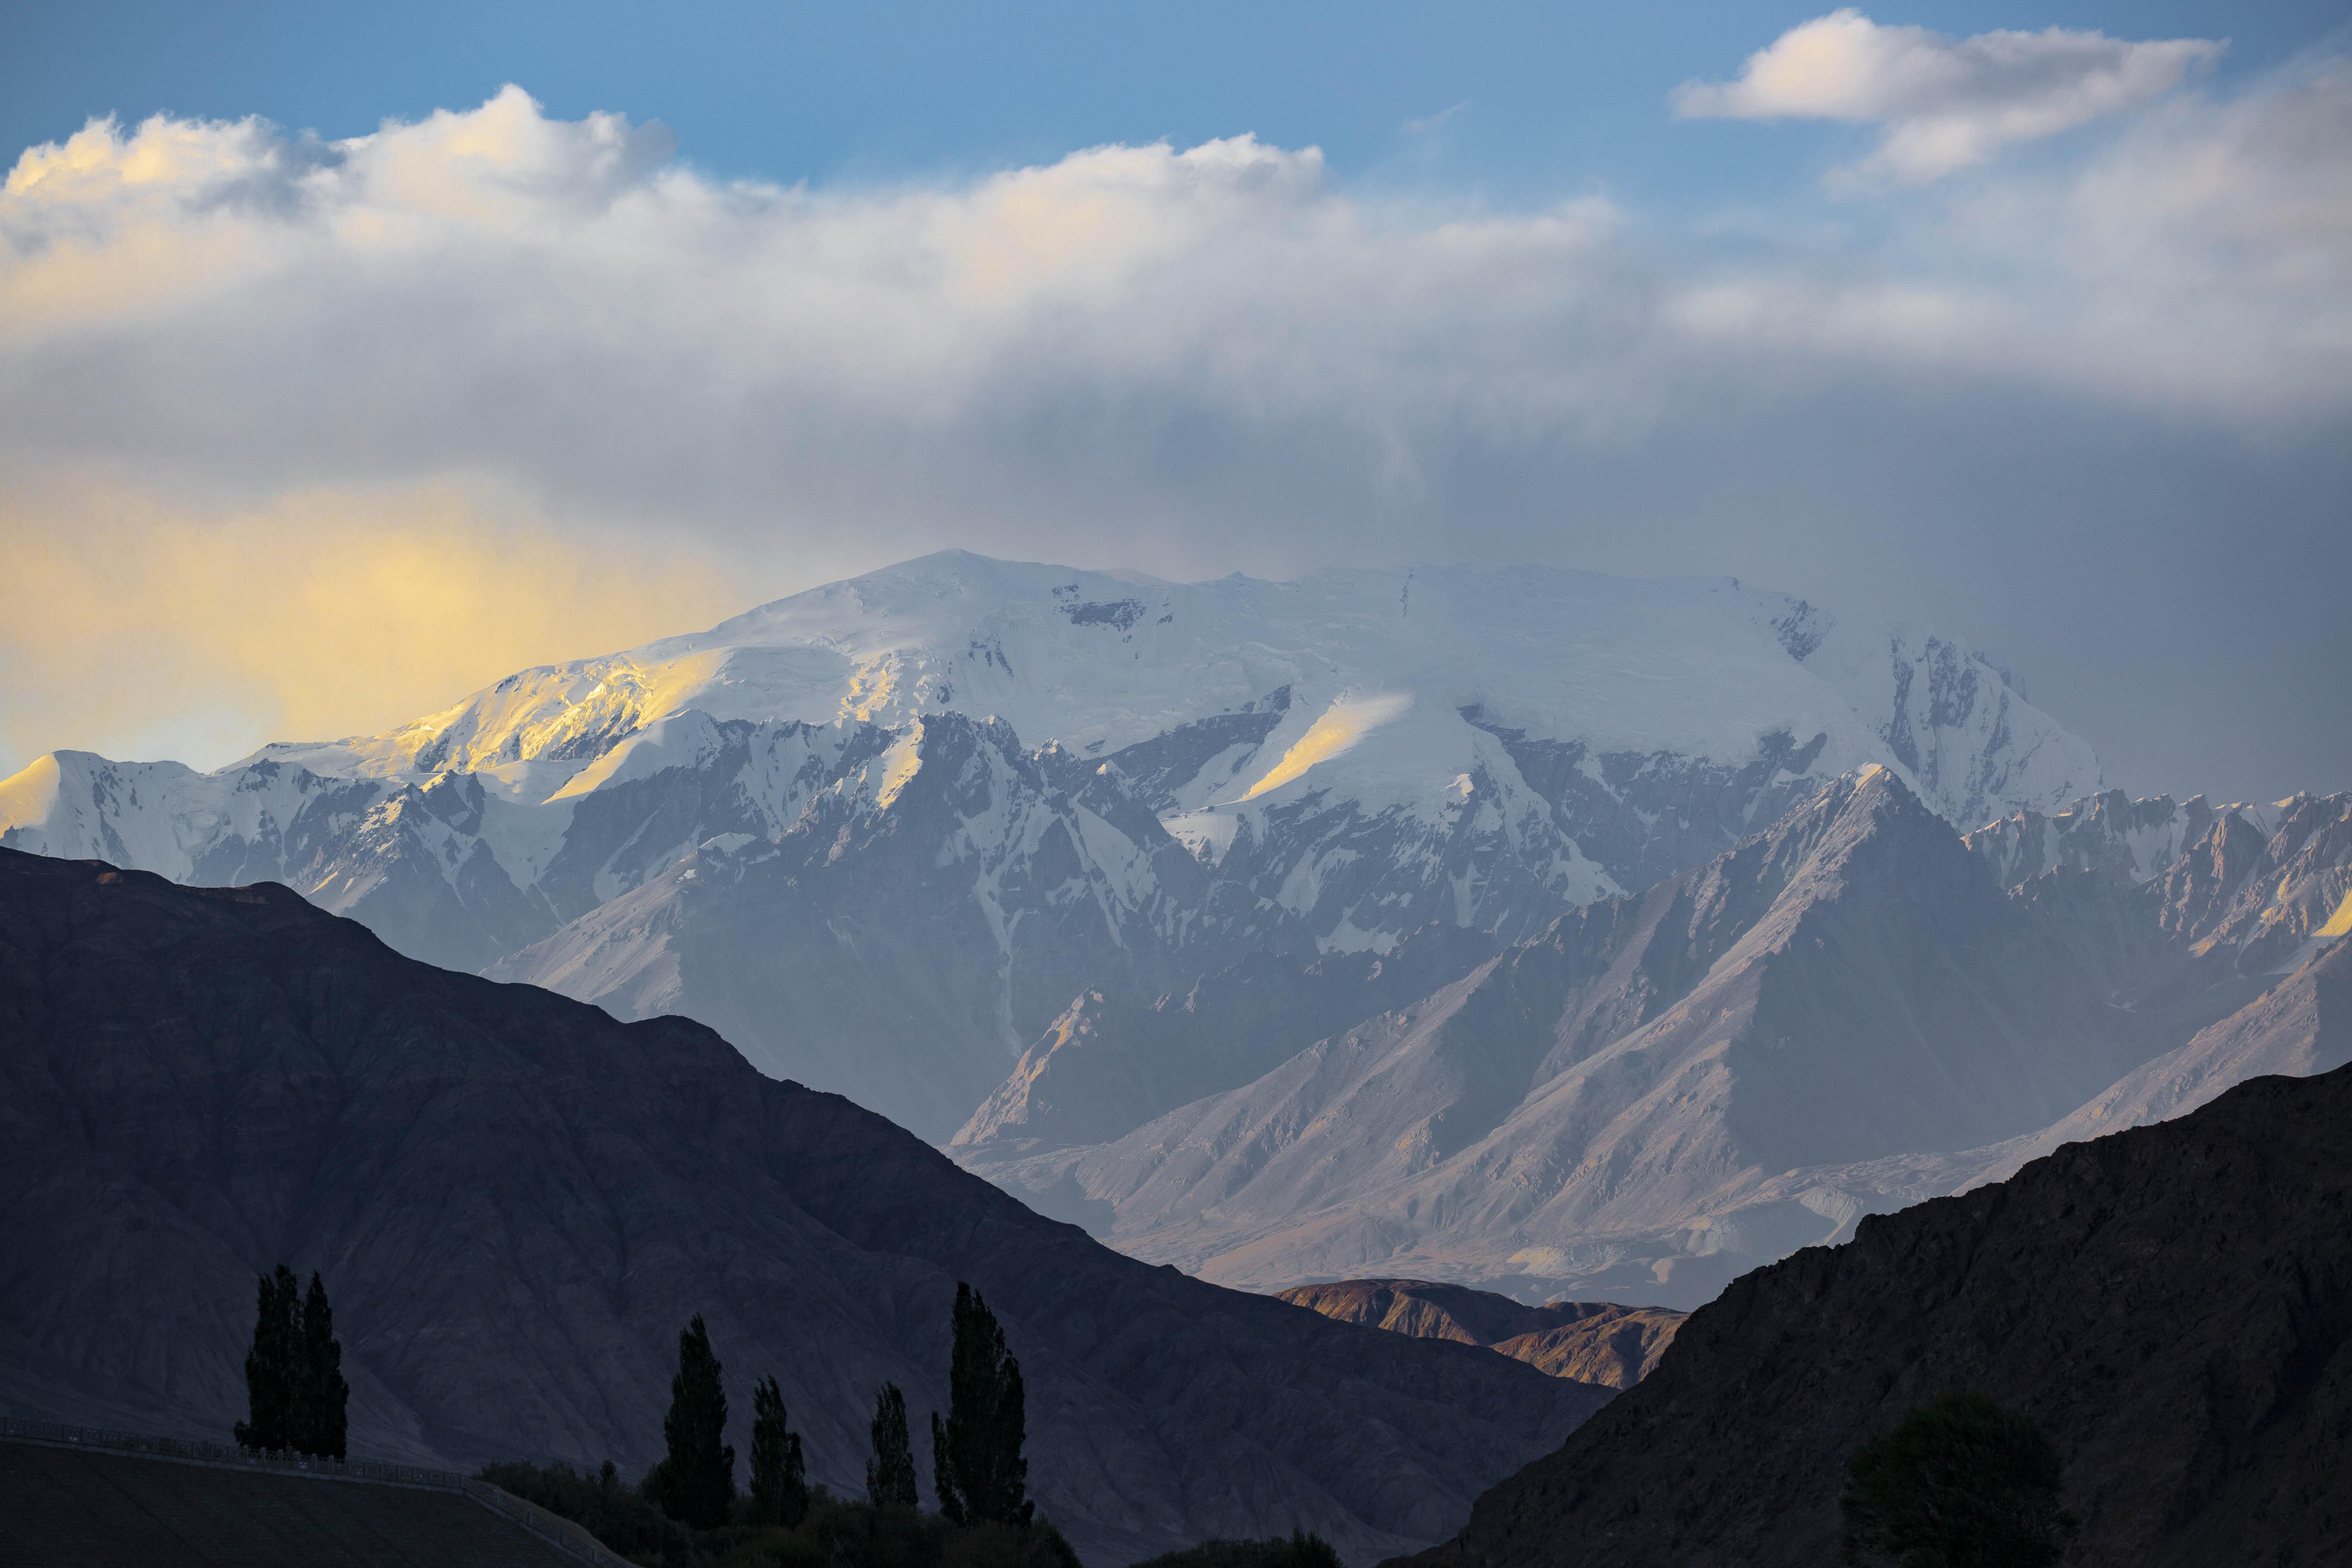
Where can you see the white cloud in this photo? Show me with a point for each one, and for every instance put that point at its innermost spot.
(1945, 104)
(1191, 342)
(1189, 360)
(555, 299)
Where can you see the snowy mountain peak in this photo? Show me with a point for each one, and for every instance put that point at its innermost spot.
(2113, 834)
(1102, 660)
(1110, 778)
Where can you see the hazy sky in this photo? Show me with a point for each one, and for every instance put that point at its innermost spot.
(349, 361)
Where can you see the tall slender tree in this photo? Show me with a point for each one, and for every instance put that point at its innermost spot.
(976, 1461)
(322, 1397)
(269, 1366)
(890, 1473)
(779, 1473)
(695, 1483)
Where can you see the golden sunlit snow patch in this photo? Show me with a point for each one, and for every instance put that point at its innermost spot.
(899, 764)
(27, 797)
(1343, 724)
(2340, 922)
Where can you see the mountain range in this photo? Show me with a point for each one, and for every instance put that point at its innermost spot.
(1561, 935)
(883, 834)
(1567, 940)
(517, 1201)
(1843, 1013)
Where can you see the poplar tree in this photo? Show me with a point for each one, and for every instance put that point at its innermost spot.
(322, 1397)
(695, 1484)
(296, 1398)
(890, 1473)
(976, 1462)
(779, 1474)
(269, 1366)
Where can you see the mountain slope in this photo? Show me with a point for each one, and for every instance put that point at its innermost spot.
(1111, 1063)
(1066, 780)
(1845, 1014)
(2299, 1027)
(1846, 985)
(517, 1201)
(2173, 1305)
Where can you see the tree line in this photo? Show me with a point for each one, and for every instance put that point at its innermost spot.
(687, 1512)
(978, 1470)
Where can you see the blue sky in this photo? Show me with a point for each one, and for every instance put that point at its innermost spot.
(1545, 96)
(2042, 337)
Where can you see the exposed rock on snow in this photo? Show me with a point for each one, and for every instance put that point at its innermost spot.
(2112, 834)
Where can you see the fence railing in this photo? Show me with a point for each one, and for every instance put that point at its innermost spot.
(229, 1455)
(561, 1534)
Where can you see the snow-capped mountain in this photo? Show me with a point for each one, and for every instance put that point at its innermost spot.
(882, 833)
(2111, 834)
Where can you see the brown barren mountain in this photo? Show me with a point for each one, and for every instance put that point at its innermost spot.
(1592, 1342)
(517, 1201)
(2172, 1304)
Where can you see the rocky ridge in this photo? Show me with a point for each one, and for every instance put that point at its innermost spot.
(2172, 1305)
(1592, 1342)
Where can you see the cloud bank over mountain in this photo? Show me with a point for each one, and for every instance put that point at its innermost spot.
(1187, 360)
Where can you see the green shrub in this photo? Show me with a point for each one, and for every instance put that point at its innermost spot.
(608, 1508)
(1960, 1483)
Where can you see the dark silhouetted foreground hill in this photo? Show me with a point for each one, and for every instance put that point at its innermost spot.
(99, 1507)
(2172, 1304)
(1592, 1342)
(517, 1200)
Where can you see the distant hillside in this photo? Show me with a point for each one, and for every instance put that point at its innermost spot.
(2172, 1304)
(1590, 1341)
(517, 1200)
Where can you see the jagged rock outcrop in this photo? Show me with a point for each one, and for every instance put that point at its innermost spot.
(1592, 1342)
(517, 1200)
(1055, 782)
(2112, 834)
(2172, 1305)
